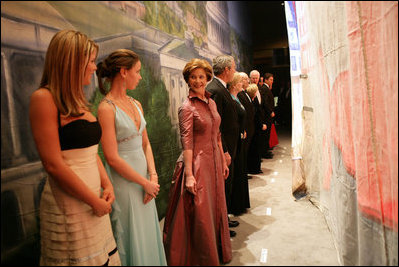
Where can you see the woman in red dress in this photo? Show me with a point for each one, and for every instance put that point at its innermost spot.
(196, 230)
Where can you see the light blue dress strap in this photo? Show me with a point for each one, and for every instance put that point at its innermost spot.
(109, 101)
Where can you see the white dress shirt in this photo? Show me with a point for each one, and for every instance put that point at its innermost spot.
(223, 82)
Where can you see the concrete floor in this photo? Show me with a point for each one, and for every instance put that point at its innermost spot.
(277, 229)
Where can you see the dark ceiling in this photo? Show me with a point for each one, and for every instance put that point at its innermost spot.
(269, 35)
(268, 24)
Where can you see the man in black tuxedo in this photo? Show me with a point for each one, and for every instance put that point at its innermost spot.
(261, 98)
(269, 111)
(224, 68)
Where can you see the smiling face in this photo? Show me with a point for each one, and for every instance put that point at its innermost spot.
(197, 80)
(133, 76)
(239, 85)
(236, 88)
(236, 84)
(90, 68)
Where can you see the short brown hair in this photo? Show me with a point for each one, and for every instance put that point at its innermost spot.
(268, 75)
(196, 63)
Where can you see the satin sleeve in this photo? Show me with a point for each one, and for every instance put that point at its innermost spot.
(219, 109)
(186, 125)
(219, 137)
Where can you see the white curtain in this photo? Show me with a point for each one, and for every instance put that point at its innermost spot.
(344, 71)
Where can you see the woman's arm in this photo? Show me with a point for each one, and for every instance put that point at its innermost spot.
(106, 117)
(152, 171)
(108, 189)
(44, 123)
(191, 182)
(150, 163)
(186, 125)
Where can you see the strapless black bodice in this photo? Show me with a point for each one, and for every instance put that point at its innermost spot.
(79, 134)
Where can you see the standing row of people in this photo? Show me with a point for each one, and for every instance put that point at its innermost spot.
(221, 124)
(265, 100)
(92, 214)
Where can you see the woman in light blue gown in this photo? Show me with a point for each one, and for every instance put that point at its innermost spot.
(130, 163)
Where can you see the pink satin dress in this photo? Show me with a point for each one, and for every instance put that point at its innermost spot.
(196, 227)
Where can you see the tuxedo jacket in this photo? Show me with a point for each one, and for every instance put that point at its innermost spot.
(250, 112)
(267, 102)
(229, 126)
(258, 122)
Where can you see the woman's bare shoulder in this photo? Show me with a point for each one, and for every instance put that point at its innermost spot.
(42, 99)
(42, 93)
(105, 105)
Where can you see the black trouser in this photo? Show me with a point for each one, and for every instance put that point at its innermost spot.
(262, 143)
(253, 156)
(266, 148)
(246, 144)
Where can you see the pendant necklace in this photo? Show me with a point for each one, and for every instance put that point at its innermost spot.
(130, 108)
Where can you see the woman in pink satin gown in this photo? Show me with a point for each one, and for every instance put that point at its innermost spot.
(196, 229)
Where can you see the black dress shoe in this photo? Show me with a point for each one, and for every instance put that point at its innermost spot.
(267, 153)
(268, 156)
(255, 172)
(233, 223)
(232, 233)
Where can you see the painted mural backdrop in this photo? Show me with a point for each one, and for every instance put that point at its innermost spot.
(165, 34)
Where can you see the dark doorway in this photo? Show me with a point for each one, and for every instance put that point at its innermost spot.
(271, 53)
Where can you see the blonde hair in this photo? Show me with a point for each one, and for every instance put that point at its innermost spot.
(66, 60)
(111, 66)
(196, 63)
(236, 79)
(244, 75)
(252, 89)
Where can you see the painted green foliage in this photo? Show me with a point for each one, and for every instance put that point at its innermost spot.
(152, 94)
(159, 15)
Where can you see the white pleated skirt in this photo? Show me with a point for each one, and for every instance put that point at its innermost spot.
(70, 232)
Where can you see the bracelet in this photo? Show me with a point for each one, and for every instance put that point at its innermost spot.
(154, 173)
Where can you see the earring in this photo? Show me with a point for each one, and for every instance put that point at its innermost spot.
(124, 84)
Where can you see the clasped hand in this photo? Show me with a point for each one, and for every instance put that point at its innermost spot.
(103, 205)
(191, 184)
(148, 197)
(151, 189)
